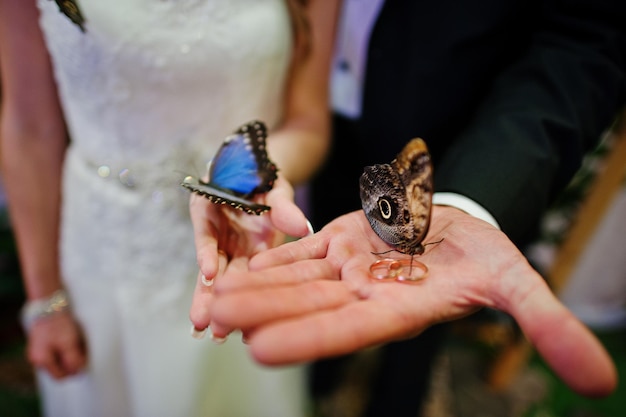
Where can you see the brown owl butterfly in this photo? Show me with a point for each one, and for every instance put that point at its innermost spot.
(397, 198)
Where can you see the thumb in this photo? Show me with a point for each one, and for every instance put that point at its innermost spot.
(568, 346)
(285, 215)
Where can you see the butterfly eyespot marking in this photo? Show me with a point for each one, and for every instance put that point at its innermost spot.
(385, 208)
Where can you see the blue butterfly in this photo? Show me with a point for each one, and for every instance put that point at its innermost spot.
(240, 170)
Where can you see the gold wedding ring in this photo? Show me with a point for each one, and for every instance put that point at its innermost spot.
(403, 270)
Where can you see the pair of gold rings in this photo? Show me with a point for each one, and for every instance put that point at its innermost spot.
(403, 270)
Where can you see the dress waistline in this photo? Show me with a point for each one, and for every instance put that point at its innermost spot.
(153, 180)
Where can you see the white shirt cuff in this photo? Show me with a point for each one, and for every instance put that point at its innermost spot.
(465, 204)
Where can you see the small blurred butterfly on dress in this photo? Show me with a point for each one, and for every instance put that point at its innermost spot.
(239, 171)
(70, 9)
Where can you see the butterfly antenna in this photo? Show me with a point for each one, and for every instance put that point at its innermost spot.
(434, 243)
(385, 252)
(183, 173)
(187, 174)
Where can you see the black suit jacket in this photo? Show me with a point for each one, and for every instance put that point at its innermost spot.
(508, 94)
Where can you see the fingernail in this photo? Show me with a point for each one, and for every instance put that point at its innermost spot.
(310, 227)
(207, 282)
(218, 340)
(198, 334)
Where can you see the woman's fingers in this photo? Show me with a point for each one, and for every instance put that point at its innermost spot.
(206, 234)
(73, 359)
(289, 274)
(249, 309)
(200, 311)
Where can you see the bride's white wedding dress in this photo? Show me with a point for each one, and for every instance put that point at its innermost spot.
(149, 91)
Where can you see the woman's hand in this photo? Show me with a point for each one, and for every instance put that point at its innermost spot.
(226, 238)
(56, 344)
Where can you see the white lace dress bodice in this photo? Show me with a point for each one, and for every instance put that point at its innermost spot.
(149, 91)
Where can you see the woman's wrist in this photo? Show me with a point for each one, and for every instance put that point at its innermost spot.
(42, 308)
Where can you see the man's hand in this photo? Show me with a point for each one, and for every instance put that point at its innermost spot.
(315, 297)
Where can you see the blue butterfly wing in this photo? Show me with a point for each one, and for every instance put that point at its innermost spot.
(266, 170)
(235, 166)
(239, 170)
